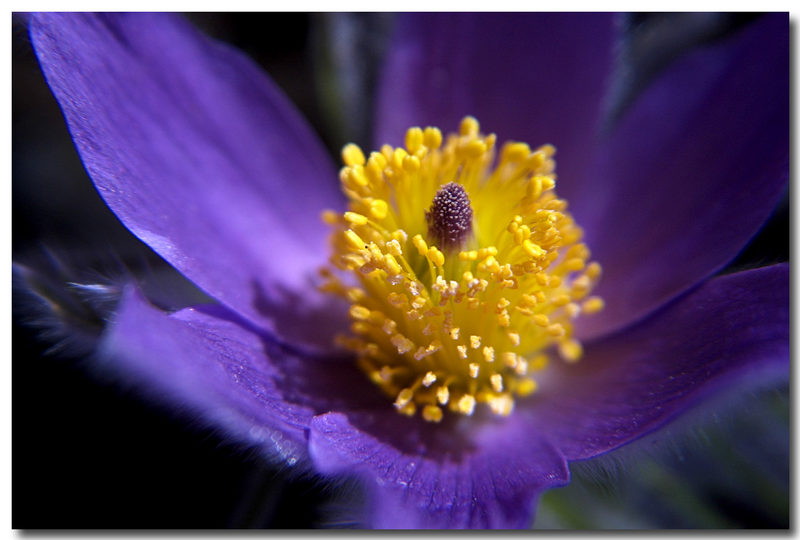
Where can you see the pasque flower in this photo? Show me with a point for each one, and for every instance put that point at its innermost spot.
(203, 159)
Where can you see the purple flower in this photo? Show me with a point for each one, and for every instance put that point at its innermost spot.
(202, 158)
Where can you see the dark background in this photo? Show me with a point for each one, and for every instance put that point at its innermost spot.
(89, 453)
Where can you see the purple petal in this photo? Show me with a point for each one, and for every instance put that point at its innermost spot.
(238, 376)
(731, 328)
(690, 174)
(212, 365)
(196, 151)
(467, 474)
(533, 77)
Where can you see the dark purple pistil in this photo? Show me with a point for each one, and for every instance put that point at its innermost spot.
(450, 217)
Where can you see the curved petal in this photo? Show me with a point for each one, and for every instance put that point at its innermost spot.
(533, 77)
(691, 172)
(210, 364)
(731, 328)
(475, 474)
(195, 150)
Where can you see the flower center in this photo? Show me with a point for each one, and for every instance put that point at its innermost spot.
(464, 275)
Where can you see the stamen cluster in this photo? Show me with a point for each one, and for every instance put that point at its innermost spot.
(451, 311)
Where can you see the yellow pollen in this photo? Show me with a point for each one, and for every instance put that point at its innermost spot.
(443, 329)
(429, 379)
(466, 405)
(593, 305)
(474, 370)
(443, 395)
(510, 359)
(526, 387)
(432, 413)
(501, 405)
(571, 350)
(359, 313)
(497, 382)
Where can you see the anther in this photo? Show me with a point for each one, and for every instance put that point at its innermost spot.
(526, 387)
(474, 369)
(571, 350)
(414, 139)
(403, 398)
(355, 219)
(497, 382)
(593, 305)
(352, 155)
(353, 240)
(469, 126)
(466, 404)
(378, 208)
(432, 413)
(501, 405)
(442, 395)
(432, 138)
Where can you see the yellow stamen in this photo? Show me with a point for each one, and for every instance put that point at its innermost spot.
(352, 155)
(472, 321)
